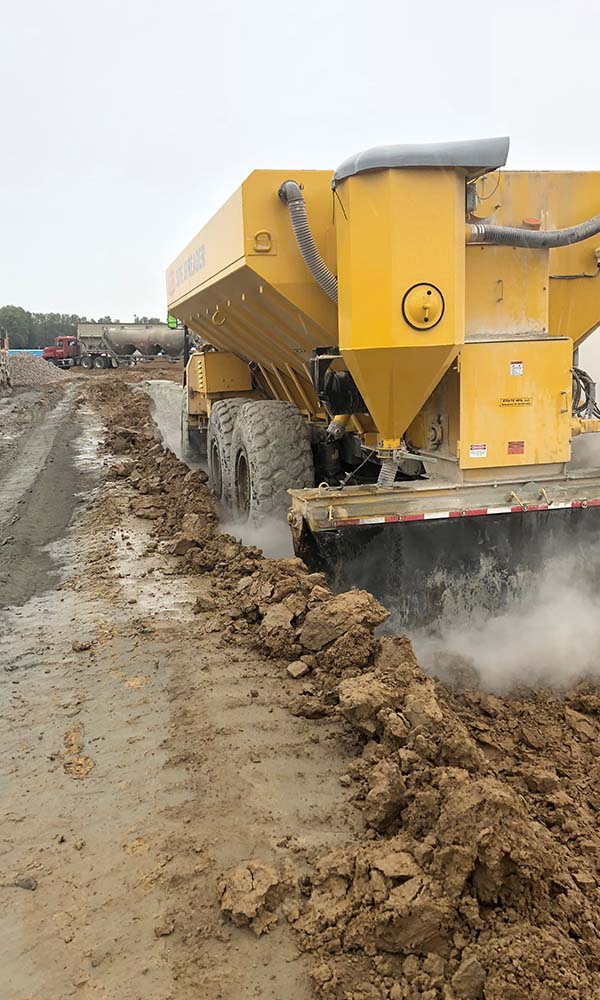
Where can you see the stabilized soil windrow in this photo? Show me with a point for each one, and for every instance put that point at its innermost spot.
(477, 877)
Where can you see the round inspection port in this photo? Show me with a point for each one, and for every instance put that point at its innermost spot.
(423, 306)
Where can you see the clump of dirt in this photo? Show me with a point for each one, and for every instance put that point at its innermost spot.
(477, 878)
(250, 893)
(276, 605)
(75, 762)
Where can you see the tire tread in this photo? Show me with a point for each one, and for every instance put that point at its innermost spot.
(275, 438)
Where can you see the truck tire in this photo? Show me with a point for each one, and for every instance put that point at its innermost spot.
(99, 363)
(221, 425)
(86, 361)
(270, 454)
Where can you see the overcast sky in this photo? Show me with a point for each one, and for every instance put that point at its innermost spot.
(127, 122)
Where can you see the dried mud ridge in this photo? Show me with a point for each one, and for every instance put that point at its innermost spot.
(478, 875)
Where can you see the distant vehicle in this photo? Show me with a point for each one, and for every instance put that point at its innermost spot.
(68, 352)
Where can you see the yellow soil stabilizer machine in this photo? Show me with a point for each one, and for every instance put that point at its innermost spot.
(392, 350)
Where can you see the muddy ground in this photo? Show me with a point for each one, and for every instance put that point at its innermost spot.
(218, 780)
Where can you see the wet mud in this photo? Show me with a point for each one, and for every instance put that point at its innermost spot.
(274, 799)
(43, 480)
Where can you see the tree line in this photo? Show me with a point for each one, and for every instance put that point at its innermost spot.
(31, 329)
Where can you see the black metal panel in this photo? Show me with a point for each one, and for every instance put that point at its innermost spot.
(416, 566)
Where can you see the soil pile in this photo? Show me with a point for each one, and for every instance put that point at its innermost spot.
(481, 877)
(477, 876)
(28, 371)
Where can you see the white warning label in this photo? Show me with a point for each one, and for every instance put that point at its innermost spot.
(516, 368)
(478, 451)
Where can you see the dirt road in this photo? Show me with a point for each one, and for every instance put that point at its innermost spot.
(123, 803)
(220, 783)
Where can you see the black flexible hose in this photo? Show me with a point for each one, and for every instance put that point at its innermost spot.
(290, 193)
(533, 238)
(186, 352)
(584, 395)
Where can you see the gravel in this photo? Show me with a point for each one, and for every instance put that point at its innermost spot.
(27, 371)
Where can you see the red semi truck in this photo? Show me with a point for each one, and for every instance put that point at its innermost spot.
(66, 352)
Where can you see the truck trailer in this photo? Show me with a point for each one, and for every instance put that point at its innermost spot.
(390, 358)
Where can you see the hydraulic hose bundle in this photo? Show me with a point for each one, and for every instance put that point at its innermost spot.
(584, 395)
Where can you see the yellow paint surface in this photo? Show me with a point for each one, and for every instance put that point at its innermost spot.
(515, 403)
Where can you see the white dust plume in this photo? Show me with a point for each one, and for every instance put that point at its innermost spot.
(547, 635)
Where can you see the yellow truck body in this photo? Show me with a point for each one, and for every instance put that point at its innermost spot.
(458, 348)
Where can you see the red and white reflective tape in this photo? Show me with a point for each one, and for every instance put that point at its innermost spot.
(343, 522)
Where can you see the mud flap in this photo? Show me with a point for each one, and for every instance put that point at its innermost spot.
(420, 568)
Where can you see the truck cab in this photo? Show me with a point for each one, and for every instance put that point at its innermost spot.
(65, 352)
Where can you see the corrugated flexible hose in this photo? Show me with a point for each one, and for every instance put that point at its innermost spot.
(290, 193)
(533, 238)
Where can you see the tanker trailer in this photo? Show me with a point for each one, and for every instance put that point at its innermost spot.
(390, 359)
(125, 338)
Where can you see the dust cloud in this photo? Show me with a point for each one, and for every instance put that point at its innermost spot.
(585, 452)
(167, 400)
(547, 635)
(273, 537)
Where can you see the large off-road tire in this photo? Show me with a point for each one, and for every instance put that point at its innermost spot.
(270, 454)
(86, 361)
(99, 362)
(221, 425)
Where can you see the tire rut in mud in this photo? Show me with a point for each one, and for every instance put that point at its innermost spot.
(41, 489)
